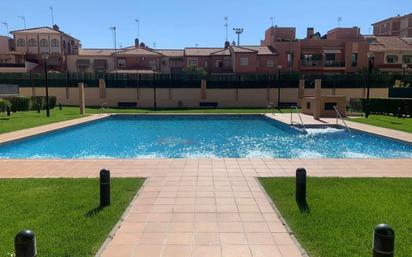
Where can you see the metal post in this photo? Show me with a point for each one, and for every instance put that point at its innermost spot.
(104, 188)
(154, 93)
(370, 66)
(301, 186)
(279, 89)
(383, 241)
(25, 244)
(8, 110)
(47, 89)
(60, 107)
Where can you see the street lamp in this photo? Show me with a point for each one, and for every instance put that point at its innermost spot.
(238, 31)
(371, 60)
(279, 68)
(404, 67)
(45, 57)
(154, 90)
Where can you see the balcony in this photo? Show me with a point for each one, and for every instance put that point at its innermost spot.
(311, 63)
(334, 64)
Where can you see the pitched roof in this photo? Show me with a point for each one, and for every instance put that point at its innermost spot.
(385, 43)
(40, 30)
(95, 52)
(171, 52)
(223, 52)
(262, 50)
(199, 51)
(138, 51)
(241, 49)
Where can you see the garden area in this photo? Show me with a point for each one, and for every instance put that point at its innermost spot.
(342, 213)
(63, 213)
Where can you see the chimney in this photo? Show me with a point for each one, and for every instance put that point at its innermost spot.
(55, 27)
(310, 32)
(227, 44)
(136, 42)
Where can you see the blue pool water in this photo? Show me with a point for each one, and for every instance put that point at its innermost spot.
(230, 136)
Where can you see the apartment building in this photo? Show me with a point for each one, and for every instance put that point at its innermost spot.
(36, 42)
(394, 26)
(341, 50)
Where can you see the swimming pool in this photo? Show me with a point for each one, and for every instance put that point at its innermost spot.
(200, 136)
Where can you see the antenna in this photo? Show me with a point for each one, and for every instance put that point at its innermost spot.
(7, 26)
(52, 15)
(238, 31)
(339, 21)
(154, 44)
(226, 26)
(113, 29)
(273, 20)
(138, 28)
(24, 20)
(370, 29)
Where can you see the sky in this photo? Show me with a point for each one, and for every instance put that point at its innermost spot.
(185, 23)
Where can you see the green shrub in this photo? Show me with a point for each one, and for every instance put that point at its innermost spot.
(40, 101)
(19, 103)
(3, 105)
(389, 106)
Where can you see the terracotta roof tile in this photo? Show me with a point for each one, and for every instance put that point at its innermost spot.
(198, 51)
(138, 51)
(95, 52)
(170, 52)
(384, 43)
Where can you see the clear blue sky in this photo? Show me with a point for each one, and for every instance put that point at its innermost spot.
(180, 23)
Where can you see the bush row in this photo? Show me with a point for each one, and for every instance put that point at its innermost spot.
(383, 106)
(23, 103)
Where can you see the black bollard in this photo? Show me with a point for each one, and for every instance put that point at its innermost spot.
(60, 107)
(301, 186)
(383, 241)
(104, 188)
(38, 108)
(25, 244)
(8, 110)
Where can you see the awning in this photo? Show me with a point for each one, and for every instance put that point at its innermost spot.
(332, 51)
(83, 62)
(100, 64)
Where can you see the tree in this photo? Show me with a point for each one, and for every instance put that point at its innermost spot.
(194, 70)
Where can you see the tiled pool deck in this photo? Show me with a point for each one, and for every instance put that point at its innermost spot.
(203, 207)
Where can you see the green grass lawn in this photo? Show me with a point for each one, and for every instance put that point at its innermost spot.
(387, 122)
(62, 213)
(343, 213)
(23, 120)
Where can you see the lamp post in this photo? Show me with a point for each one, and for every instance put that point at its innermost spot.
(45, 58)
(404, 67)
(154, 90)
(279, 68)
(238, 31)
(371, 59)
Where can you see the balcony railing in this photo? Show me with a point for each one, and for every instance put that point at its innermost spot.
(311, 63)
(334, 64)
(12, 65)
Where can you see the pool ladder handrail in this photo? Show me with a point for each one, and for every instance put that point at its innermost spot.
(293, 123)
(339, 117)
(103, 107)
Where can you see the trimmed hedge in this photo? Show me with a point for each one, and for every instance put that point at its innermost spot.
(389, 106)
(3, 105)
(23, 103)
(40, 101)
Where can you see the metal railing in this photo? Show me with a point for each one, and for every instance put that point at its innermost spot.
(339, 117)
(293, 123)
(104, 109)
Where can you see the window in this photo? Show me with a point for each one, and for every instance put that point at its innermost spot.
(407, 59)
(32, 42)
(290, 60)
(54, 43)
(192, 62)
(44, 43)
(152, 64)
(206, 64)
(227, 63)
(21, 42)
(354, 60)
(330, 57)
(270, 63)
(219, 64)
(244, 61)
(121, 63)
(391, 58)
(330, 106)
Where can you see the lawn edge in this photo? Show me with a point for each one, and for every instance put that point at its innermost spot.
(119, 223)
(284, 223)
